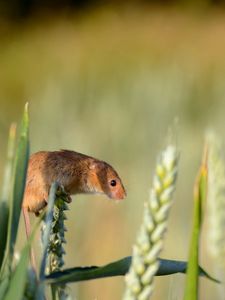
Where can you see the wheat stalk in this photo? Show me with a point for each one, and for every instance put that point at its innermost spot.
(56, 250)
(139, 280)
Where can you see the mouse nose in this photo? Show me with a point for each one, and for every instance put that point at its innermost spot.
(119, 194)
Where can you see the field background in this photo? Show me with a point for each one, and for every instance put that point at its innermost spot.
(110, 82)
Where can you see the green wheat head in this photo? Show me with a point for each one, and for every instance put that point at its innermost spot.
(56, 251)
(139, 280)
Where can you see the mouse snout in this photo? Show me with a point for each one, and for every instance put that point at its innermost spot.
(118, 194)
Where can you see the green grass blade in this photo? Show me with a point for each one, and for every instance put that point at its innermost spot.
(7, 179)
(200, 192)
(117, 268)
(3, 287)
(169, 267)
(16, 194)
(18, 279)
(7, 182)
(21, 163)
(4, 216)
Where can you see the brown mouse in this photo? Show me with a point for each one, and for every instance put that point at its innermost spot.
(76, 172)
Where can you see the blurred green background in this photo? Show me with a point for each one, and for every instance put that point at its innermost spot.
(109, 81)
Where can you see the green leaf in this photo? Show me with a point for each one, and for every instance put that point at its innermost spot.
(117, 268)
(7, 183)
(191, 288)
(4, 217)
(18, 278)
(7, 179)
(3, 286)
(16, 194)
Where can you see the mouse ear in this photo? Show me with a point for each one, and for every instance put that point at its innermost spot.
(94, 165)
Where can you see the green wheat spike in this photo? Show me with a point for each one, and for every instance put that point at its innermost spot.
(139, 280)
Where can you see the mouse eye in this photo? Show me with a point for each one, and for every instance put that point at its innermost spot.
(113, 182)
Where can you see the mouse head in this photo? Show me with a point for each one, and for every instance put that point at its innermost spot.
(105, 180)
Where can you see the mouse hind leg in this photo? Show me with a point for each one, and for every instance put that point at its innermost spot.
(35, 199)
